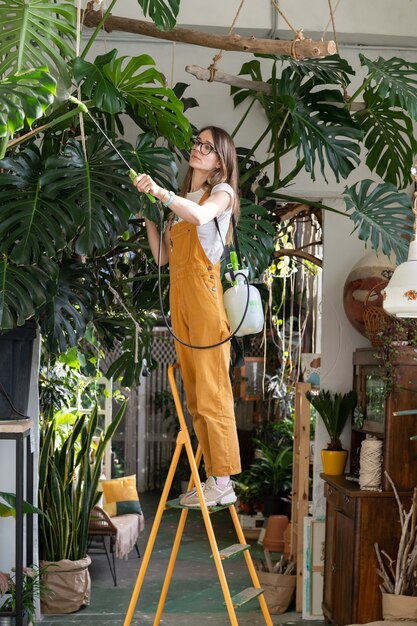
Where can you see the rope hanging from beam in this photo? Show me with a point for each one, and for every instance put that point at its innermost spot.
(213, 67)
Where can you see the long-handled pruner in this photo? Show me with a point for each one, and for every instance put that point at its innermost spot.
(132, 172)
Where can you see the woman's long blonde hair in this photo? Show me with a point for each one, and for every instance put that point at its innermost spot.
(226, 173)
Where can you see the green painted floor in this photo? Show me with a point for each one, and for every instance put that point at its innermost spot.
(194, 597)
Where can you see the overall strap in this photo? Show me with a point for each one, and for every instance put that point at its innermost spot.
(226, 249)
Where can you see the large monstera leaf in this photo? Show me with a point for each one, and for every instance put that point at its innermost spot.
(330, 70)
(24, 97)
(97, 186)
(256, 236)
(395, 79)
(22, 291)
(37, 33)
(114, 83)
(163, 12)
(32, 224)
(389, 138)
(382, 216)
(325, 130)
(70, 305)
(136, 350)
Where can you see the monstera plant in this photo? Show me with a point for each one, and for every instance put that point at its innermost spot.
(72, 253)
(310, 116)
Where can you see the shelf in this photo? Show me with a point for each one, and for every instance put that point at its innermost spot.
(19, 431)
(15, 426)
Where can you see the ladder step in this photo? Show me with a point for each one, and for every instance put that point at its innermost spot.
(175, 504)
(230, 551)
(245, 596)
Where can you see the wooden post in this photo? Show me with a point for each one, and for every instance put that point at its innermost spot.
(300, 478)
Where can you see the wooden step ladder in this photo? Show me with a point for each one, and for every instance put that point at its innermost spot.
(183, 439)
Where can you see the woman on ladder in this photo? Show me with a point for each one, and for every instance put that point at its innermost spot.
(193, 247)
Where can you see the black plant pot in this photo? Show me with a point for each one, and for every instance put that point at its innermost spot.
(277, 505)
(272, 504)
(16, 348)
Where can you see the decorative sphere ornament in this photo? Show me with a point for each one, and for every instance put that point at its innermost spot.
(372, 270)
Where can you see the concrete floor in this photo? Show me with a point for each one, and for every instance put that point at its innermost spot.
(194, 596)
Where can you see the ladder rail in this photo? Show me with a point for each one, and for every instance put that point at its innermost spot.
(153, 534)
(194, 463)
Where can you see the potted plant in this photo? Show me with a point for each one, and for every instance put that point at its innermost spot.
(398, 574)
(246, 491)
(334, 409)
(270, 475)
(68, 479)
(33, 588)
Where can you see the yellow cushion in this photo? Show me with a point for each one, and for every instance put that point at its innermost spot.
(120, 496)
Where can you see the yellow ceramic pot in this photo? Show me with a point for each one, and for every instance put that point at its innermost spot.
(334, 461)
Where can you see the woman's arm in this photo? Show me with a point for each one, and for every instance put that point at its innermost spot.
(153, 238)
(186, 209)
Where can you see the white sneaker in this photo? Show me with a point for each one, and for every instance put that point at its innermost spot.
(213, 494)
(188, 494)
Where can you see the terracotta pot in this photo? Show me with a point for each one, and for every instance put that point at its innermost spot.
(334, 461)
(274, 535)
(399, 608)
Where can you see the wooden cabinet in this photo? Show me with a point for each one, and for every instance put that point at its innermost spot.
(355, 521)
(392, 418)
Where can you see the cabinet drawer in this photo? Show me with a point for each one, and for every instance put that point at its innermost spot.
(340, 500)
(332, 495)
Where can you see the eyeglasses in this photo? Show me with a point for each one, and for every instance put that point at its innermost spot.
(204, 147)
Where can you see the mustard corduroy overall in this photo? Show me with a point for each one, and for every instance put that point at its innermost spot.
(198, 318)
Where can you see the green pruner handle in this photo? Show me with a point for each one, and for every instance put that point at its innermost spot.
(133, 175)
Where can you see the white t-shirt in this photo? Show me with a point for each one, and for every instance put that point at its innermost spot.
(207, 233)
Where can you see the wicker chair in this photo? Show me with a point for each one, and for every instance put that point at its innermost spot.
(120, 530)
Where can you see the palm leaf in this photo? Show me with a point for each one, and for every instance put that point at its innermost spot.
(98, 186)
(389, 139)
(396, 80)
(32, 224)
(37, 33)
(381, 215)
(24, 97)
(163, 12)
